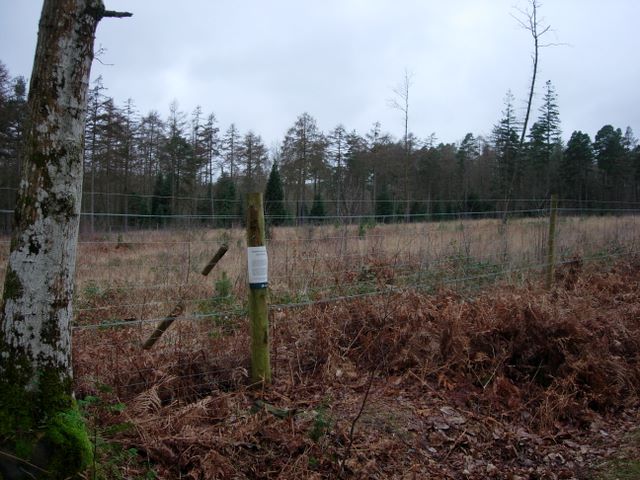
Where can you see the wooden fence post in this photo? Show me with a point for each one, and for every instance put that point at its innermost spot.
(551, 241)
(258, 281)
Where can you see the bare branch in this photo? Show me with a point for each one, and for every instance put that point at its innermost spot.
(98, 53)
(114, 14)
(101, 12)
(560, 44)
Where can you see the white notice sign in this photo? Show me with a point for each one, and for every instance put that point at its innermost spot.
(258, 266)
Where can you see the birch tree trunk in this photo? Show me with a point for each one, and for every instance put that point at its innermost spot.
(38, 418)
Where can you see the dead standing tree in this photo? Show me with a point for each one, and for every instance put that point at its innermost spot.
(40, 428)
(529, 20)
(401, 103)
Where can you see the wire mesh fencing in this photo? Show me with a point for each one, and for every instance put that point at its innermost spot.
(129, 280)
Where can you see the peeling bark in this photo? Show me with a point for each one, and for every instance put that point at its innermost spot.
(35, 334)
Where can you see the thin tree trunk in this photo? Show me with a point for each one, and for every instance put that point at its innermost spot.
(532, 25)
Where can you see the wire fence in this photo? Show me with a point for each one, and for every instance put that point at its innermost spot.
(123, 212)
(128, 282)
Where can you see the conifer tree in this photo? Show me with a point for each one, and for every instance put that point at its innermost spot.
(303, 159)
(161, 200)
(505, 140)
(466, 154)
(275, 210)
(226, 205)
(317, 208)
(611, 159)
(230, 152)
(576, 166)
(384, 205)
(252, 160)
(545, 145)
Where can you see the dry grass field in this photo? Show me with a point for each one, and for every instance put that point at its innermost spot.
(141, 275)
(384, 364)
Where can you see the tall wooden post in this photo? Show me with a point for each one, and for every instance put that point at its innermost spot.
(551, 245)
(258, 280)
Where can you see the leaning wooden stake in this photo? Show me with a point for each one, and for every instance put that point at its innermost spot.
(179, 308)
(551, 246)
(258, 280)
(216, 258)
(164, 325)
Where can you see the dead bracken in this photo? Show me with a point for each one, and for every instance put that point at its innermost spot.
(513, 382)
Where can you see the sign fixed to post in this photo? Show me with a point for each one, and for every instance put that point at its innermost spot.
(258, 263)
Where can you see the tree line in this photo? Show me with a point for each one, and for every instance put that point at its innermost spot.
(146, 170)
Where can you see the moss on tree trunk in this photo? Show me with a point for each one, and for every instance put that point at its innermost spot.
(42, 434)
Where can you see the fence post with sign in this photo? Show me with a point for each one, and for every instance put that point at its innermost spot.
(258, 271)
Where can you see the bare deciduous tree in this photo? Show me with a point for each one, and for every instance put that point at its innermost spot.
(529, 19)
(401, 102)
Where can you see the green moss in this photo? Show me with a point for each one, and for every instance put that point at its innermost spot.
(23, 448)
(62, 447)
(15, 414)
(621, 470)
(42, 426)
(69, 443)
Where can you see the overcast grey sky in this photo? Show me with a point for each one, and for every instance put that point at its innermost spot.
(261, 63)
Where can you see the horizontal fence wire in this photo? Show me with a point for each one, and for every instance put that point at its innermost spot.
(388, 289)
(330, 256)
(128, 282)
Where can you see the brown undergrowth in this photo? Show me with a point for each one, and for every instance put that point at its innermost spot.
(512, 382)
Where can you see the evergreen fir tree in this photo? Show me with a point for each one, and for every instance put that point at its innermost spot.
(161, 201)
(418, 211)
(317, 209)
(384, 206)
(505, 139)
(545, 146)
(576, 165)
(275, 210)
(612, 159)
(467, 153)
(226, 207)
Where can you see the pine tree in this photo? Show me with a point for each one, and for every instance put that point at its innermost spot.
(303, 159)
(210, 150)
(226, 205)
(317, 209)
(275, 210)
(576, 166)
(161, 200)
(505, 140)
(545, 145)
(230, 152)
(467, 152)
(13, 110)
(252, 159)
(337, 150)
(611, 160)
(384, 205)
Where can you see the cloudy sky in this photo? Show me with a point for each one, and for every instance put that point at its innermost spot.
(261, 63)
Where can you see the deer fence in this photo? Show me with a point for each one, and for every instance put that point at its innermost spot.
(129, 280)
